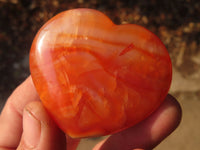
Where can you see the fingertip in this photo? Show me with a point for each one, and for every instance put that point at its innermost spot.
(176, 108)
(31, 130)
(39, 130)
(168, 117)
(171, 111)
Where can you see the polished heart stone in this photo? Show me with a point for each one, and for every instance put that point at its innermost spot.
(95, 77)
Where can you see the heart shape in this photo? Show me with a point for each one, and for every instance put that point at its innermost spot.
(95, 77)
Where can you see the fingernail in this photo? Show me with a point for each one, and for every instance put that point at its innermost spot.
(31, 129)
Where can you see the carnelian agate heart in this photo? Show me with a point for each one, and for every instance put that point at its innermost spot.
(95, 77)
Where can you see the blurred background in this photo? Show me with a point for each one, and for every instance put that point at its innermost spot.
(176, 23)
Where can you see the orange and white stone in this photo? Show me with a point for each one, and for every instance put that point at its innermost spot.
(95, 77)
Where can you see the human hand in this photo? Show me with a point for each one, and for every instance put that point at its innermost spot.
(25, 124)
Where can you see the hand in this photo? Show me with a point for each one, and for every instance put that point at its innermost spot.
(24, 124)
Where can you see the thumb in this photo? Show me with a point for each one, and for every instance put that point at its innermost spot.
(39, 131)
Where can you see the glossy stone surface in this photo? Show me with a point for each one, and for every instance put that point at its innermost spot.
(95, 77)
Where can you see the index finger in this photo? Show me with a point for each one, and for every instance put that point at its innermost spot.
(149, 132)
(11, 116)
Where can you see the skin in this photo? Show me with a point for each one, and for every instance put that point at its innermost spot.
(24, 124)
